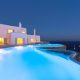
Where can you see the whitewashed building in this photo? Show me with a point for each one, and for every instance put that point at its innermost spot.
(12, 35)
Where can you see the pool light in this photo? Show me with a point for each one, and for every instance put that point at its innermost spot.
(19, 47)
(31, 46)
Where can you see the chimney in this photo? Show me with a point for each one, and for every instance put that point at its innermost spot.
(34, 31)
(20, 25)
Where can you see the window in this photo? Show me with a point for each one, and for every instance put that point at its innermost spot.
(1, 41)
(33, 40)
(20, 41)
(23, 32)
(10, 30)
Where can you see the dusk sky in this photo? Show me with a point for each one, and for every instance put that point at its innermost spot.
(53, 19)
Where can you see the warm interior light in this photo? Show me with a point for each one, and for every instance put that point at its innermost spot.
(1, 41)
(10, 30)
(33, 40)
(23, 32)
(20, 41)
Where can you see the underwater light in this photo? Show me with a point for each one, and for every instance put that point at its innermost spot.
(31, 46)
(19, 47)
(2, 51)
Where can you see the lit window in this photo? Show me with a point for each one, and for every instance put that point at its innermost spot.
(23, 32)
(1, 41)
(33, 40)
(10, 30)
(20, 41)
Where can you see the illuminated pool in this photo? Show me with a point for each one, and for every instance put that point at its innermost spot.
(49, 45)
(30, 63)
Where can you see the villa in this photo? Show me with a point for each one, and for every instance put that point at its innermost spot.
(12, 35)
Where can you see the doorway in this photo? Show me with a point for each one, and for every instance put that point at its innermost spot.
(20, 41)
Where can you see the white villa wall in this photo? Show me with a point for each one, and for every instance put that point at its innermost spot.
(18, 35)
(4, 30)
(38, 38)
(33, 37)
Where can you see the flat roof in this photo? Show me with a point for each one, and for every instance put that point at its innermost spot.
(5, 25)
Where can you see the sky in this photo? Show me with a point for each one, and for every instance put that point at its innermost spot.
(53, 19)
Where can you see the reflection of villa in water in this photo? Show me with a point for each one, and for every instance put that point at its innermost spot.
(12, 35)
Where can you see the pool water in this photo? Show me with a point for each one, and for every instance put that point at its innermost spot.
(49, 45)
(30, 63)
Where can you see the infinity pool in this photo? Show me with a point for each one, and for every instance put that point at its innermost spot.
(49, 45)
(30, 63)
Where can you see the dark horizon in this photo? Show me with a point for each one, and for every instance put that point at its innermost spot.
(54, 20)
